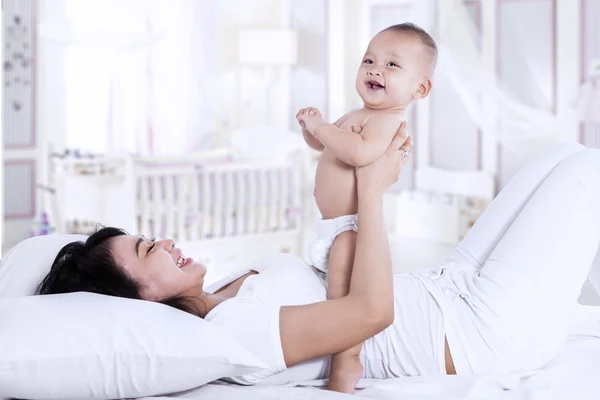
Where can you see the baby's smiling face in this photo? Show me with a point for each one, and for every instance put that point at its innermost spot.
(395, 69)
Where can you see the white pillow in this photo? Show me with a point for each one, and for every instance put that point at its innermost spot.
(84, 345)
(26, 264)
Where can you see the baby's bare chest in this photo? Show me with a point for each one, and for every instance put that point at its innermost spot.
(353, 121)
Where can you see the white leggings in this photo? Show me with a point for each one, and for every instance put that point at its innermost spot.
(511, 286)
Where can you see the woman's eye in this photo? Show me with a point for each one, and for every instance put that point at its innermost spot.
(151, 247)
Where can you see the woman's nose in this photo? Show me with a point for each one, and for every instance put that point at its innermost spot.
(168, 244)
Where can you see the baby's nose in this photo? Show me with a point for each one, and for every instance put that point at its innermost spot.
(374, 73)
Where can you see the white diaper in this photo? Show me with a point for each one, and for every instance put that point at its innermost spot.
(327, 231)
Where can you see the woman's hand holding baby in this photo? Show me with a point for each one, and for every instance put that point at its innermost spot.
(310, 118)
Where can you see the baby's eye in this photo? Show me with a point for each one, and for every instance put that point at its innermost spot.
(368, 62)
(392, 64)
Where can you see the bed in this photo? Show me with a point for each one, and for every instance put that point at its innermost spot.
(572, 375)
(27, 331)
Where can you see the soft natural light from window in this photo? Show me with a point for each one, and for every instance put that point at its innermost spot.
(87, 97)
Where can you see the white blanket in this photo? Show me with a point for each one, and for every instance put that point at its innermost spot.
(574, 374)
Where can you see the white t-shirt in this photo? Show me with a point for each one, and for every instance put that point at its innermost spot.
(413, 345)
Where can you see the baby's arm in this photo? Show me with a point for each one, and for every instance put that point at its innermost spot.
(353, 149)
(312, 141)
(363, 149)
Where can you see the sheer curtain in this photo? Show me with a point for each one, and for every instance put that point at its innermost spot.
(522, 124)
(134, 72)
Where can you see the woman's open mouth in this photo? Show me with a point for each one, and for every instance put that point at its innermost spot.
(182, 261)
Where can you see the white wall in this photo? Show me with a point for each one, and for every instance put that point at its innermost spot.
(51, 124)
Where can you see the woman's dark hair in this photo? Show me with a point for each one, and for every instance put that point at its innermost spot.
(91, 267)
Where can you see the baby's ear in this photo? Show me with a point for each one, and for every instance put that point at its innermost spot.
(423, 89)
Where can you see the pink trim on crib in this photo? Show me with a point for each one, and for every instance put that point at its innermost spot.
(199, 164)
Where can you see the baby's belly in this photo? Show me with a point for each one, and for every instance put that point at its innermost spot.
(335, 187)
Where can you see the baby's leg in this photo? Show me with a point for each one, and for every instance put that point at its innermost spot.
(346, 369)
(341, 260)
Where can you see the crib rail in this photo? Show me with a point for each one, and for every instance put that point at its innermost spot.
(223, 213)
(196, 202)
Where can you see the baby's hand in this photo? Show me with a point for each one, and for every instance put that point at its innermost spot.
(310, 118)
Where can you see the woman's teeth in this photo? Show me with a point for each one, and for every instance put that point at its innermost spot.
(181, 261)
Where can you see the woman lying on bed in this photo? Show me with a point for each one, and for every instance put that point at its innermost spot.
(500, 304)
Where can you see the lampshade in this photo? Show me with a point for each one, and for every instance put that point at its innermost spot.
(267, 47)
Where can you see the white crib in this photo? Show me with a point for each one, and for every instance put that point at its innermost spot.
(223, 212)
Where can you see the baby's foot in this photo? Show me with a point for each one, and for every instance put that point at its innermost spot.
(346, 371)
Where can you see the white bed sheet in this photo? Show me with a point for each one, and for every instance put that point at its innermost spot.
(574, 374)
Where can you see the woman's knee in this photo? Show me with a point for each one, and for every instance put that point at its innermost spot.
(583, 166)
(586, 160)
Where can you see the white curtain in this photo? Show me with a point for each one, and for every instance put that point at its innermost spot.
(184, 78)
(134, 73)
(522, 126)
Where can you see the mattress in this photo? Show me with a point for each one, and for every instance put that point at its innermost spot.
(573, 374)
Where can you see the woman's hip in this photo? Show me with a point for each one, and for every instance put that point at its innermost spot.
(483, 340)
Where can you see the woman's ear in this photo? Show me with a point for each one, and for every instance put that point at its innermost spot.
(423, 89)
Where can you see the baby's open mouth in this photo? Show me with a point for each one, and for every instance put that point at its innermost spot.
(374, 85)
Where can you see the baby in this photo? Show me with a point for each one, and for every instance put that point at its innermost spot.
(396, 69)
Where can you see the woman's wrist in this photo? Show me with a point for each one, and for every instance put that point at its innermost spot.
(368, 187)
(368, 184)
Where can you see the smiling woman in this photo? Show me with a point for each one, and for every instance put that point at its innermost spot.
(113, 263)
(160, 268)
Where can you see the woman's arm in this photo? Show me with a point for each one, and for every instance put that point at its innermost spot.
(328, 327)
